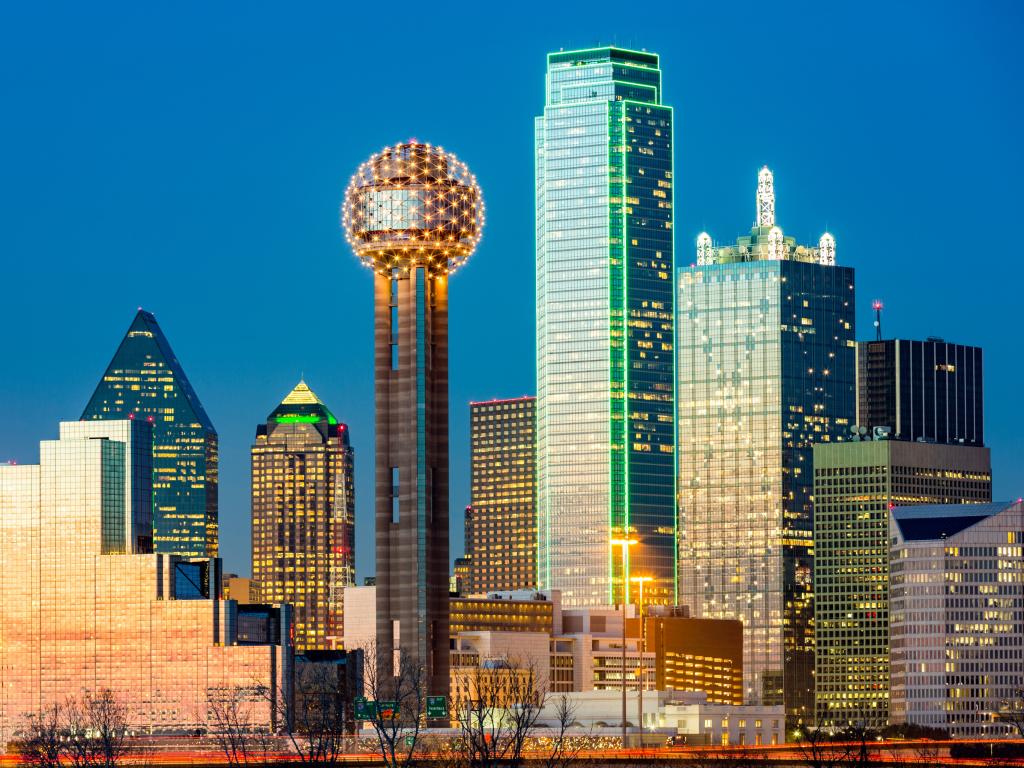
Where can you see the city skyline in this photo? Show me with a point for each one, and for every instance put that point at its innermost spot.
(219, 349)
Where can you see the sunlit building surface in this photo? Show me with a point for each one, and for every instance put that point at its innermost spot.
(303, 516)
(921, 390)
(145, 381)
(501, 524)
(766, 368)
(855, 486)
(698, 655)
(84, 608)
(957, 576)
(413, 213)
(605, 433)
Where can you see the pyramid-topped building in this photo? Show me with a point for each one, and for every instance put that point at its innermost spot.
(303, 514)
(145, 380)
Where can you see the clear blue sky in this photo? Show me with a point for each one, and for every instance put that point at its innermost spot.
(190, 158)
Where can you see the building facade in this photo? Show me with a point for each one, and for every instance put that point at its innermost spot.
(501, 524)
(303, 516)
(605, 324)
(957, 616)
(697, 655)
(413, 213)
(84, 608)
(855, 486)
(766, 369)
(145, 381)
(921, 390)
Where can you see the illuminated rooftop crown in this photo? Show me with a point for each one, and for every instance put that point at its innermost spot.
(413, 204)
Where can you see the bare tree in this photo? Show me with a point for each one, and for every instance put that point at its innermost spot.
(315, 715)
(241, 736)
(41, 738)
(1011, 710)
(95, 729)
(501, 706)
(564, 750)
(818, 748)
(397, 685)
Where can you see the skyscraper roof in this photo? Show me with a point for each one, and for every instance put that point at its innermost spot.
(939, 521)
(143, 342)
(301, 405)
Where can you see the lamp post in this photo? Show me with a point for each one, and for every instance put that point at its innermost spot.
(641, 580)
(625, 544)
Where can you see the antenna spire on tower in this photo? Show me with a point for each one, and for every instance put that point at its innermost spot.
(765, 198)
(877, 306)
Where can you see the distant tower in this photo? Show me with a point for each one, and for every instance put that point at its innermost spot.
(145, 381)
(765, 198)
(877, 306)
(413, 213)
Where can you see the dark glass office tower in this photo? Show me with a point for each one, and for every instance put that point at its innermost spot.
(921, 390)
(303, 516)
(145, 381)
(605, 324)
(765, 369)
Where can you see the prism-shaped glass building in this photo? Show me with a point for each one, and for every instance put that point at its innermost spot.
(145, 381)
(605, 432)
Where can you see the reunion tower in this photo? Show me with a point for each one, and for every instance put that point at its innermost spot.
(413, 213)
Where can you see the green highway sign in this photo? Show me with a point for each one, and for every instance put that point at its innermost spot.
(387, 709)
(365, 710)
(437, 706)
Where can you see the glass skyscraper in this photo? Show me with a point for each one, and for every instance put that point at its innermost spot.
(605, 388)
(766, 369)
(145, 381)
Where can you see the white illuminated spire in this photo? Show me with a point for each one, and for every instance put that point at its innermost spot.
(827, 250)
(765, 198)
(705, 251)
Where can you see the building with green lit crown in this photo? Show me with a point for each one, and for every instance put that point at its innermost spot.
(766, 369)
(145, 381)
(303, 516)
(605, 324)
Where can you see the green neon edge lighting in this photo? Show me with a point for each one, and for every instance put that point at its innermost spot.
(304, 419)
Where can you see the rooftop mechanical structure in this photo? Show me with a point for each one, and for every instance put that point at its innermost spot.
(413, 213)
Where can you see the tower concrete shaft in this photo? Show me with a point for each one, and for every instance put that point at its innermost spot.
(411, 367)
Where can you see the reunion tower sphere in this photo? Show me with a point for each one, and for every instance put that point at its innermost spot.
(413, 205)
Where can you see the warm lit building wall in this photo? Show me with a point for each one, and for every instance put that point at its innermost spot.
(855, 486)
(303, 512)
(482, 614)
(956, 615)
(501, 524)
(698, 655)
(144, 380)
(78, 614)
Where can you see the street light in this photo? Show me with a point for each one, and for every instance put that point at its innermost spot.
(641, 580)
(625, 544)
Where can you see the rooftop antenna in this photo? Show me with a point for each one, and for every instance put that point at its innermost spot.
(877, 306)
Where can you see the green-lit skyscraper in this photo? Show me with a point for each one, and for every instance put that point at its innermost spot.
(145, 381)
(766, 369)
(605, 389)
